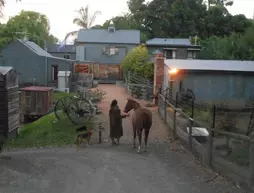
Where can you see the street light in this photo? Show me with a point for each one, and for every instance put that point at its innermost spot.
(173, 71)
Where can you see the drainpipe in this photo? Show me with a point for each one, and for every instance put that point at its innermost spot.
(46, 64)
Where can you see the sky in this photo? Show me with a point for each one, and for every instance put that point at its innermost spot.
(62, 12)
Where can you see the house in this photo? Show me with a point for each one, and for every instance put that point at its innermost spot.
(211, 81)
(67, 52)
(34, 65)
(173, 48)
(104, 49)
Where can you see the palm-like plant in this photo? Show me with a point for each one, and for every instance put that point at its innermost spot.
(2, 4)
(84, 19)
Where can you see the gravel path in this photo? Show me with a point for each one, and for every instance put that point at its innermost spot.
(166, 167)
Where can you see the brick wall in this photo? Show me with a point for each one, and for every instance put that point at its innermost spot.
(158, 74)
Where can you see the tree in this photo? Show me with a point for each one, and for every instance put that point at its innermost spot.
(220, 2)
(84, 19)
(122, 22)
(137, 61)
(184, 18)
(234, 47)
(33, 25)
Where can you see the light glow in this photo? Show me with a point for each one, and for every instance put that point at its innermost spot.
(173, 71)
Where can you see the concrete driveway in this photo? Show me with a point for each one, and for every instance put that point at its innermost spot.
(166, 167)
(106, 169)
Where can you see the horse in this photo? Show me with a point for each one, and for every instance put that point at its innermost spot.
(141, 120)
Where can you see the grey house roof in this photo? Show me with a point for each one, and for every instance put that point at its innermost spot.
(169, 42)
(104, 36)
(53, 48)
(214, 65)
(5, 69)
(35, 48)
(38, 50)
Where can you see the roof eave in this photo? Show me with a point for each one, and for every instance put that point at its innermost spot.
(175, 45)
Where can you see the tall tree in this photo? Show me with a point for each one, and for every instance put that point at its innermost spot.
(219, 2)
(33, 25)
(84, 19)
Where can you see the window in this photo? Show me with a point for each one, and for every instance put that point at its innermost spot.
(67, 56)
(54, 70)
(168, 54)
(110, 50)
(191, 54)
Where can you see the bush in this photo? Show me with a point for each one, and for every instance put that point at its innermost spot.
(137, 61)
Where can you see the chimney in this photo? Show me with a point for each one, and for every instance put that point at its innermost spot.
(111, 27)
(25, 38)
(158, 74)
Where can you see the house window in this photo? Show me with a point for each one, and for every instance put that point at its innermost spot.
(191, 54)
(54, 70)
(110, 50)
(67, 56)
(168, 54)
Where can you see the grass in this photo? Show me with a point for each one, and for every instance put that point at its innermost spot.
(46, 131)
(57, 95)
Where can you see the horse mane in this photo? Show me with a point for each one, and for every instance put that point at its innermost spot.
(133, 100)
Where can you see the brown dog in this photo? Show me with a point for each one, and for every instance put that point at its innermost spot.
(83, 136)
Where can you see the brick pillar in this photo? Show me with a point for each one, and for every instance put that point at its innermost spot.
(158, 75)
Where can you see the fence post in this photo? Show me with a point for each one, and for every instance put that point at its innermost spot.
(192, 110)
(165, 108)
(100, 130)
(210, 148)
(174, 124)
(214, 119)
(190, 133)
(251, 169)
(176, 99)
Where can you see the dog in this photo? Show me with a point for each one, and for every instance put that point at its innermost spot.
(83, 136)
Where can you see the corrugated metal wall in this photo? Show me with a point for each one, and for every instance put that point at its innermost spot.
(220, 87)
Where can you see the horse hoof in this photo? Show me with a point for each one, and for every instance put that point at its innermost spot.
(139, 150)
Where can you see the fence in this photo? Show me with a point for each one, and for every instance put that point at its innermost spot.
(81, 80)
(139, 87)
(203, 137)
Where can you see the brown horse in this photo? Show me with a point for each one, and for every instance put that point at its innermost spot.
(141, 119)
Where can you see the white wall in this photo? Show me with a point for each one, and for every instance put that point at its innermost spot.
(166, 77)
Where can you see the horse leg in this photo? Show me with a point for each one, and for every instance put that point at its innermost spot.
(139, 140)
(146, 138)
(134, 137)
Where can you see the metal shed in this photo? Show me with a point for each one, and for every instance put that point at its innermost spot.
(9, 102)
(35, 101)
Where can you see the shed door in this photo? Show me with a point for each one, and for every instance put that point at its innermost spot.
(54, 71)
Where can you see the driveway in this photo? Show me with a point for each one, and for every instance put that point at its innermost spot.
(166, 167)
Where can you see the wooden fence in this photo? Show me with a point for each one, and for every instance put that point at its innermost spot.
(171, 115)
(139, 87)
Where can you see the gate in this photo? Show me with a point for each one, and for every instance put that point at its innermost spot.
(109, 74)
